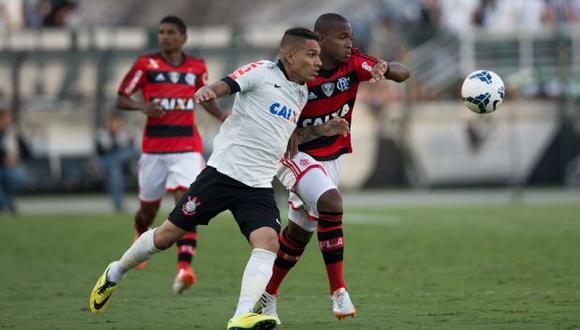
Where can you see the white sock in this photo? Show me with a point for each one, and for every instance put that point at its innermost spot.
(141, 250)
(256, 276)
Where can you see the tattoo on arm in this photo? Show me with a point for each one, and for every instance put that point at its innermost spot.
(305, 134)
(220, 88)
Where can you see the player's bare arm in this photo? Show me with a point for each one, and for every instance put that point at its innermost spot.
(213, 109)
(213, 92)
(332, 127)
(149, 109)
(397, 72)
(394, 71)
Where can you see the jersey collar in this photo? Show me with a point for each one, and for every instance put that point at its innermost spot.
(283, 69)
(183, 57)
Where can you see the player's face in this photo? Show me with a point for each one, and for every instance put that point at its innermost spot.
(337, 42)
(306, 60)
(169, 37)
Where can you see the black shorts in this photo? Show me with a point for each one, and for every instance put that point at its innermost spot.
(213, 193)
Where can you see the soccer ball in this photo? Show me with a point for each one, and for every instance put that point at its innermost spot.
(483, 91)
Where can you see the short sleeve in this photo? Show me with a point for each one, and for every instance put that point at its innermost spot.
(246, 77)
(363, 65)
(134, 79)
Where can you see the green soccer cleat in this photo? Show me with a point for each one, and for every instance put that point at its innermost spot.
(101, 294)
(252, 321)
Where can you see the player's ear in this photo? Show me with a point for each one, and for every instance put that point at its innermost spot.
(288, 57)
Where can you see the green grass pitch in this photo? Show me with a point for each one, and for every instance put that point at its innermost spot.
(484, 267)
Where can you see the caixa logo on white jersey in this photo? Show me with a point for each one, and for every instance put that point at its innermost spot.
(284, 112)
(175, 103)
(315, 121)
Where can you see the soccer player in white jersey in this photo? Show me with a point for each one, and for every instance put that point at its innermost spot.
(246, 155)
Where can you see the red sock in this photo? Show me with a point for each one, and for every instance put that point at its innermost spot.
(141, 224)
(288, 255)
(186, 248)
(331, 243)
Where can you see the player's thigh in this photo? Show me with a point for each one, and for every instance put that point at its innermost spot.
(183, 169)
(206, 197)
(256, 208)
(153, 173)
(301, 218)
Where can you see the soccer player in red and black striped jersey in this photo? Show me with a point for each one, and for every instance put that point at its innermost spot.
(171, 147)
(312, 174)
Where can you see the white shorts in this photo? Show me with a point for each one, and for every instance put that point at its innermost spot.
(307, 179)
(159, 173)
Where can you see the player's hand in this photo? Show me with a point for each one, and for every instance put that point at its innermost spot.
(292, 148)
(204, 94)
(378, 71)
(335, 126)
(152, 110)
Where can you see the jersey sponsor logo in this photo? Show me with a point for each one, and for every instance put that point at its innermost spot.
(343, 84)
(315, 121)
(328, 88)
(175, 103)
(367, 67)
(190, 207)
(304, 162)
(190, 79)
(243, 70)
(284, 112)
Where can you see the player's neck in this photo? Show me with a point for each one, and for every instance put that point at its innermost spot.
(327, 62)
(172, 58)
(289, 74)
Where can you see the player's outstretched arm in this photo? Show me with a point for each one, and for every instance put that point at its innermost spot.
(300, 135)
(208, 93)
(149, 109)
(397, 72)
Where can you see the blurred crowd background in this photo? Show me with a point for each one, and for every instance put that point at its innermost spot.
(61, 62)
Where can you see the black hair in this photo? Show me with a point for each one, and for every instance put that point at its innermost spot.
(172, 19)
(324, 21)
(293, 35)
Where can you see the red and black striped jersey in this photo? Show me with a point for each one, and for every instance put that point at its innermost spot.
(173, 87)
(333, 94)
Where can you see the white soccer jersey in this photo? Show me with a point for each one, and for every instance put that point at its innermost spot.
(254, 137)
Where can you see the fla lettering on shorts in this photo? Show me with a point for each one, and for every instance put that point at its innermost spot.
(253, 139)
(333, 94)
(173, 87)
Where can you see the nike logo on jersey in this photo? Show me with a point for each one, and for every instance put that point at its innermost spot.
(284, 112)
(277, 86)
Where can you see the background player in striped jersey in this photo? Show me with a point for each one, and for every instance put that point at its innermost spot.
(312, 174)
(171, 149)
(246, 156)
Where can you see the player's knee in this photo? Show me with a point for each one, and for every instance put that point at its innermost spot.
(265, 238)
(162, 241)
(330, 201)
(298, 234)
(166, 235)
